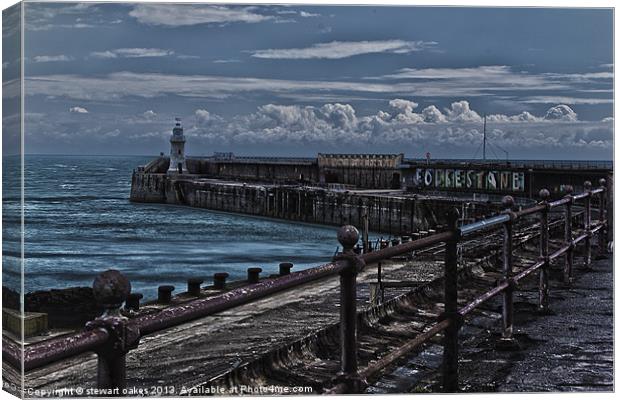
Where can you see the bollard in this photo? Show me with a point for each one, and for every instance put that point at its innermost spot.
(254, 274)
(587, 222)
(543, 282)
(285, 268)
(568, 236)
(133, 301)
(507, 341)
(110, 289)
(348, 236)
(450, 366)
(193, 286)
(219, 280)
(602, 238)
(164, 294)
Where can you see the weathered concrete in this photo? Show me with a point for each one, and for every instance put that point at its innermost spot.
(392, 212)
(571, 350)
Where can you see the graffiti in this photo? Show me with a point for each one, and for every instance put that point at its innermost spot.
(439, 178)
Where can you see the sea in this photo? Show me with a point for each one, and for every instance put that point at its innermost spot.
(79, 222)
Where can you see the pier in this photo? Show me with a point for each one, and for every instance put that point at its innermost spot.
(370, 311)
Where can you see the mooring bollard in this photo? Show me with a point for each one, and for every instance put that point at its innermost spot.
(450, 367)
(348, 236)
(219, 280)
(507, 341)
(164, 294)
(587, 222)
(543, 282)
(133, 301)
(193, 286)
(254, 274)
(110, 289)
(568, 236)
(285, 268)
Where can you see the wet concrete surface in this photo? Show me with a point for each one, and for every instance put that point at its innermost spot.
(569, 350)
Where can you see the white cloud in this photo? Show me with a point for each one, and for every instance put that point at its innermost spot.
(306, 14)
(132, 53)
(338, 50)
(79, 110)
(565, 100)
(339, 124)
(149, 115)
(561, 112)
(174, 15)
(459, 111)
(57, 58)
(226, 61)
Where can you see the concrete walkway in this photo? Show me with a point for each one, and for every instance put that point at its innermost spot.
(571, 350)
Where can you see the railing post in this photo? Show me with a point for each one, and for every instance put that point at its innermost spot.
(450, 367)
(110, 289)
(543, 281)
(568, 236)
(602, 237)
(587, 222)
(507, 342)
(348, 236)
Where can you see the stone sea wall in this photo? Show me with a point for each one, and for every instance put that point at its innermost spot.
(393, 215)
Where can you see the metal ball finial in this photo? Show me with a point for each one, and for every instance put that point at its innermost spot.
(111, 288)
(568, 189)
(544, 194)
(508, 202)
(348, 236)
(602, 181)
(587, 185)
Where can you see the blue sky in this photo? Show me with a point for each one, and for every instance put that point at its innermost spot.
(274, 80)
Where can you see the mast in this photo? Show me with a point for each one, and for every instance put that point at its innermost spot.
(484, 138)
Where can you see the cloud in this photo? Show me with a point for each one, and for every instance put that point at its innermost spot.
(149, 115)
(565, 100)
(338, 50)
(561, 112)
(460, 112)
(340, 125)
(79, 110)
(306, 14)
(175, 15)
(58, 58)
(112, 87)
(132, 53)
(226, 61)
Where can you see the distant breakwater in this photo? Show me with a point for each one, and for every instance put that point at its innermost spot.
(389, 214)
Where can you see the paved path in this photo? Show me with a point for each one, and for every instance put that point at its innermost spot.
(571, 350)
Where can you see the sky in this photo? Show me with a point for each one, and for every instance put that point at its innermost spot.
(297, 80)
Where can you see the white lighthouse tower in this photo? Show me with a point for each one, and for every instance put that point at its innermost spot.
(177, 149)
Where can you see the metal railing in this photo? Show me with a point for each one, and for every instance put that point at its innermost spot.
(112, 335)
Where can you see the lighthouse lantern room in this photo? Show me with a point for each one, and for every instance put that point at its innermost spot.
(177, 149)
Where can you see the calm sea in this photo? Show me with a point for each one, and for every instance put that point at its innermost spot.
(79, 221)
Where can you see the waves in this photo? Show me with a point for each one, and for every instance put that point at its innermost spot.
(79, 222)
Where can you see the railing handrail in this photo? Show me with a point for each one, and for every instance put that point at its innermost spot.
(43, 353)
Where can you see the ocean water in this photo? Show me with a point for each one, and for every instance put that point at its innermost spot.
(79, 222)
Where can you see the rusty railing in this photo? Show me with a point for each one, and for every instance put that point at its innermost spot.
(112, 335)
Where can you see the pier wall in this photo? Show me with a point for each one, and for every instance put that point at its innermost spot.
(362, 175)
(387, 214)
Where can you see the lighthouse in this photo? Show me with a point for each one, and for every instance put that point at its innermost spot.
(177, 149)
